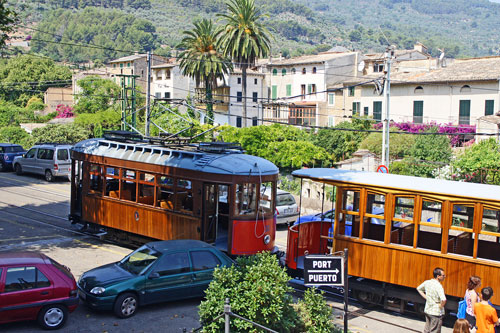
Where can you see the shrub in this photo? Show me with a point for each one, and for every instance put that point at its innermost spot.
(315, 313)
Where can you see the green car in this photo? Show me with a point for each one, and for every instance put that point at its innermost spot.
(155, 272)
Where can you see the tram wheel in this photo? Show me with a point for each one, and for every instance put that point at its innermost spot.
(419, 309)
(367, 299)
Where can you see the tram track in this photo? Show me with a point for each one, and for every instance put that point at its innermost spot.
(35, 197)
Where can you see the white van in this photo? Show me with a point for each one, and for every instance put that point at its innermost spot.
(287, 210)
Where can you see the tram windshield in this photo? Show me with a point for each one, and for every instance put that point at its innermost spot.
(246, 199)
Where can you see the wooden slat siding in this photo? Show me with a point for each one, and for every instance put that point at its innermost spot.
(153, 222)
(391, 265)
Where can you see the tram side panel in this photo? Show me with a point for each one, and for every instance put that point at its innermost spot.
(147, 222)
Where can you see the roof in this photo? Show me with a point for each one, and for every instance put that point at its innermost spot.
(418, 184)
(129, 58)
(474, 69)
(407, 54)
(228, 162)
(22, 258)
(237, 71)
(310, 59)
(179, 244)
(164, 65)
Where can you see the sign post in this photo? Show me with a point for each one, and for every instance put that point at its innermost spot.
(328, 270)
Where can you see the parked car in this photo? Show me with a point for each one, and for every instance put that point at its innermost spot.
(35, 287)
(329, 216)
(155, 272)
(287, 209)
(8, 152)
(50, 160)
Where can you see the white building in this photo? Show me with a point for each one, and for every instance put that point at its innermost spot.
(169, 84)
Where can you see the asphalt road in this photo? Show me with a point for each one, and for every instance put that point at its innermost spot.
(33, 217)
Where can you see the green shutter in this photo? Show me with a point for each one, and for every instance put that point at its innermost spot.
(377, 111)
(464, 112)
(418, 112)
(274, 92)
(488, 107)
(309, 89)
(289, 90)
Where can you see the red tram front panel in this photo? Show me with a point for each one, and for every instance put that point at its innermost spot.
(252, 236)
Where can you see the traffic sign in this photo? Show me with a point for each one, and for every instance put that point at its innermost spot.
(323, 270)
(382, 169)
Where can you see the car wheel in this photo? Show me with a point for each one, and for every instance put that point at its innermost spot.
(126, 305)
(49, 176)
(52, 317)
(19, 169)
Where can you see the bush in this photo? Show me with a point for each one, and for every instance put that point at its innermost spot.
(315, 313)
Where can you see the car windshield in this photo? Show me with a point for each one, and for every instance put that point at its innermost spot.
(14, 149)
(284, 199)
(139, 260)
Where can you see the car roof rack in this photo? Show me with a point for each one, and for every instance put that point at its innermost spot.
(52, 144)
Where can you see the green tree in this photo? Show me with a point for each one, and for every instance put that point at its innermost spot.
(245, 39)
(343, 139)
(479, 163)
(8, 19)
(13, 134)
(60, 133)
(201, 60)
(97, 123)
(258, 290)
(400, 144)
(97, 95)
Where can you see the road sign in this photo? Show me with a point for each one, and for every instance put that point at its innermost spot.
(382, 169)
(323, 270)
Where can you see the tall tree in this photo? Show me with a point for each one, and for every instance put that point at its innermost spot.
(201, 59)
(245, 39)
(8, 18)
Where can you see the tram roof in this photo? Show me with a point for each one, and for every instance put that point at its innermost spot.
(228, 162)
(419, 184)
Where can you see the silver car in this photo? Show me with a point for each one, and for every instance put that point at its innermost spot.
(287, 210)
(50, 160)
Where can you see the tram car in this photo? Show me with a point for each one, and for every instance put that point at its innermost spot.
(397, 229)
(134, 190)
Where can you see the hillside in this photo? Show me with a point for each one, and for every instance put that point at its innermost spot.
(463, 28)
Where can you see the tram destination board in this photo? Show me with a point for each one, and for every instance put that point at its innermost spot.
(323, 270)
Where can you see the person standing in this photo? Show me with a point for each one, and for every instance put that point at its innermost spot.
(461, 326)
(486, 315)
(472, 297)
(433, 293)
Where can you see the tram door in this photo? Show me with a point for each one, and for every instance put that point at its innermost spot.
(210, 212)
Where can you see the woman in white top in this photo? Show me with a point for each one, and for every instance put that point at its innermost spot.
(472, 297)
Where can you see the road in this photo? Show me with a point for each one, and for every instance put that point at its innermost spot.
(33, 217)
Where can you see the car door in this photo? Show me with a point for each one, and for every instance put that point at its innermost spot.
(25, 291)
(169, 279)
(203, 262)
(28, 160)
(44, 160)
(63, 161)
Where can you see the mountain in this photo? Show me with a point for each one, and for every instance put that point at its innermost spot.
(463, 28)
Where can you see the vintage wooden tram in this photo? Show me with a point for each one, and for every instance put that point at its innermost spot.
(135, 190)
(421, 224)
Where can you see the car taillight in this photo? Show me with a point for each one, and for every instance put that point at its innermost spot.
(72, 293)
(56, 167)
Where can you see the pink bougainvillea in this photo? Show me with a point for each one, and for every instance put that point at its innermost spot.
(64, 111)
(455, 140)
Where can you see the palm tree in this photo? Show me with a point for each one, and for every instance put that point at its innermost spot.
(244, 39)
(200, 59)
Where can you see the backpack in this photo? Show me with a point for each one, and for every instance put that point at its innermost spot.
(462, 307)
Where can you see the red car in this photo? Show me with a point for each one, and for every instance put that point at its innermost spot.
(34, 286)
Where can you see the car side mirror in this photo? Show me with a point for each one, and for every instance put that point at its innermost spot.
(154, 275)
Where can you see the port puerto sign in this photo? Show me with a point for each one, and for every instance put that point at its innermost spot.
(323, 270)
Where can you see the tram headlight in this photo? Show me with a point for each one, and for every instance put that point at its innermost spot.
(267, 239)
(97, 290)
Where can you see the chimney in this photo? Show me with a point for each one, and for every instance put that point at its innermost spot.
(281, 56)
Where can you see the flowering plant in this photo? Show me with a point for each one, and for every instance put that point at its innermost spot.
(64, 111)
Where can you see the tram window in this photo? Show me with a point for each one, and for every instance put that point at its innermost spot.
(403, 229)
(184, 196)
(165, 194)
(245, 199)
(429, 228)
(129, 186)
(460, 240)
(349, 222)
(146, 194)
(374, 221)
(147, 177)
(95, 185)
(489, 236)
(112, 182)
(223, 199)
(266, 197)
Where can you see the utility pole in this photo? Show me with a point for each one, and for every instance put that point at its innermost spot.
(148, 95)
(387, 96)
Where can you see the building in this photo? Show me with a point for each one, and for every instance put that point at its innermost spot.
(255, 95)
(133, 65)
(55, 96)
(169, 84)
(301, 90)
(455, 93)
